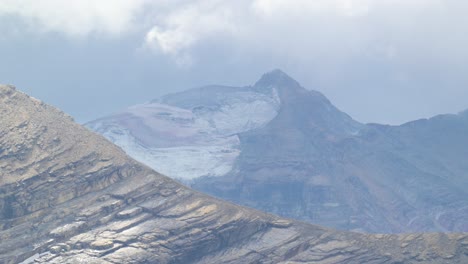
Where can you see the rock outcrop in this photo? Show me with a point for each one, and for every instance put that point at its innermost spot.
(67, 195)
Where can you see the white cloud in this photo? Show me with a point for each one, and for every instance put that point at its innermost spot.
(301, 30)
(190, 23)
(293, 28)
(75, 18)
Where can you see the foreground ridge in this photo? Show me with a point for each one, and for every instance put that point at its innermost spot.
(67, 195)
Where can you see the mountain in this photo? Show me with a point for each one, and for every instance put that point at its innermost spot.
(281, 148)
(67, 195)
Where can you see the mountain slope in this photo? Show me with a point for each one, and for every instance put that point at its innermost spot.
(69, 196)
(305, 159)
(312, 162)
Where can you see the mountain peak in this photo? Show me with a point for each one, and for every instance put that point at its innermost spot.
(277, 72)
(276, 78)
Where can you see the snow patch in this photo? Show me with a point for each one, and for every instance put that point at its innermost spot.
(187, 144)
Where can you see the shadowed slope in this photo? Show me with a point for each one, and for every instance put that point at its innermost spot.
(315, 163)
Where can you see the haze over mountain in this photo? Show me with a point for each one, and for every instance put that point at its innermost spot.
(281, 148)
(370, 56)
(68, 195)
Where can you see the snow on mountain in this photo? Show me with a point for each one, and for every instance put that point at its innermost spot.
(186, 141)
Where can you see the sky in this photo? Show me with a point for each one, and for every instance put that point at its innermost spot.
(381, 61)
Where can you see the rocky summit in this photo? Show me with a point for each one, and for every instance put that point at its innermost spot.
(287, 150)
(68, 195)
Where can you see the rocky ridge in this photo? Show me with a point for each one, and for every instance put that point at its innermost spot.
(68, 195)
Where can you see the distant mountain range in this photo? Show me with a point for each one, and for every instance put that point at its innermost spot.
(281, 148)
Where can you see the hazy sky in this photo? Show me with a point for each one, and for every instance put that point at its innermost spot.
(386, 61)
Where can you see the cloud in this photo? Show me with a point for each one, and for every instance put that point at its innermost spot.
(309, 30)
(188, 24)
(74, 18)
(300, 30)
(305, 7)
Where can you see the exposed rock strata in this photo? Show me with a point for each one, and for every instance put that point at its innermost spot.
(69, 196)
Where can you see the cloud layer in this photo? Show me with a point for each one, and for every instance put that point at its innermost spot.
(309, 30)
(379, 53)
(301, 29)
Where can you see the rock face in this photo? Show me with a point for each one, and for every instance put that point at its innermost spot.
(68, 195)
(289, 151)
